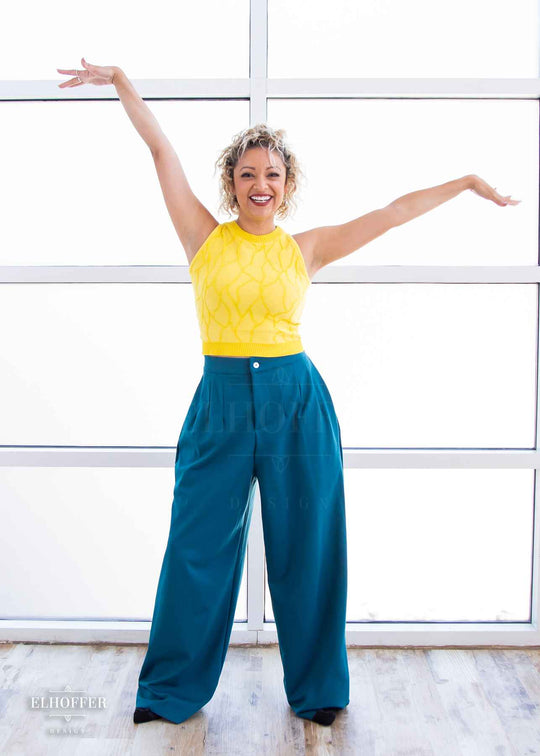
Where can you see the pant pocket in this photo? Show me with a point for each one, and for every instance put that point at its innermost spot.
(190, 416)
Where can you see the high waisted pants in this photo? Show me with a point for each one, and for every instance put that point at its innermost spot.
(271, 420)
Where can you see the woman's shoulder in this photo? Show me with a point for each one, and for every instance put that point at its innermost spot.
(207, 232)
(305, 244)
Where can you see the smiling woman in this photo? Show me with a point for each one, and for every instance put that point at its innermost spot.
(262, 413)
(258, 163)
(259, 187)
(250, 281)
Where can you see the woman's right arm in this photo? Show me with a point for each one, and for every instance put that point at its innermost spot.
(192, 221)
(138, 111)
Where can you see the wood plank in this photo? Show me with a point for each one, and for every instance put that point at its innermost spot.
(404, 701)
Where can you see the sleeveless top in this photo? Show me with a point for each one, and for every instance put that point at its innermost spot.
(249, 292)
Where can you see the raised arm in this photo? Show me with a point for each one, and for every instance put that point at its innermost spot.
(192, 221)
(329, 243)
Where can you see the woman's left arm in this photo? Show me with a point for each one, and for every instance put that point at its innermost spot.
(330, 243)
(416, 203)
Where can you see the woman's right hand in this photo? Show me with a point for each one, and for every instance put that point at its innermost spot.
(91, 74)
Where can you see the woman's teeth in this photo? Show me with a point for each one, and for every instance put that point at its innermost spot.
(261, 201)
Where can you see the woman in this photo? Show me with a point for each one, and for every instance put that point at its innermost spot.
(261, 412)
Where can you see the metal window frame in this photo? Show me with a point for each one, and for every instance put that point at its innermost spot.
(259, 89)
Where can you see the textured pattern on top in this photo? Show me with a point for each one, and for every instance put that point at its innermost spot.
(250, 292)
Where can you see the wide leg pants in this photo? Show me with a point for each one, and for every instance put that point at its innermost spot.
(271, 420)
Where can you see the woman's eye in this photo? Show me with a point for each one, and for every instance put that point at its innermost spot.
(249, 174)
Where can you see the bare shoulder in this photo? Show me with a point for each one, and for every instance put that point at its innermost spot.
(202, 230)
(306, 242)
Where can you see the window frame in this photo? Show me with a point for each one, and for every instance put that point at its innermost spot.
(258, 89)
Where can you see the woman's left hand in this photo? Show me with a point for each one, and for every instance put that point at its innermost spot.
(483, 189)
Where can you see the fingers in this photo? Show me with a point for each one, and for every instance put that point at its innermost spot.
(71, 82)
(71, 72)
(504, 200)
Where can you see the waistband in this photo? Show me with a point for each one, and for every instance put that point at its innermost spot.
(244, 365)
(248, 348)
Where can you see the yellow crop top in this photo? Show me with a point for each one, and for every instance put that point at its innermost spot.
(249, 292)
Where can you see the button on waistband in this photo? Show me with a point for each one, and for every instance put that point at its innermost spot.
(255, 364)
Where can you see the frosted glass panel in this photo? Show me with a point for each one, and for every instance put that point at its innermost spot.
(408, 365)
(175, 40)
(359, 155)
(427, 365)
(79, 185)
(390, 38)
(85, 543)
(438, 545)
(97, 364)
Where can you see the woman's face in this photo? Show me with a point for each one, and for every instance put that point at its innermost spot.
(259, 172)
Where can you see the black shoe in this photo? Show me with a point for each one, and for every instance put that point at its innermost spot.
(324, 717)
(144, 715)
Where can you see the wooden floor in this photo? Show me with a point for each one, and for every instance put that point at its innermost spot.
(403, 702)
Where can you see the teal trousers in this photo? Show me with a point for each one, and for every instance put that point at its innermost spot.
(269, 420)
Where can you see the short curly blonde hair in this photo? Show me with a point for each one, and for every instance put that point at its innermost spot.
(260, 135)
